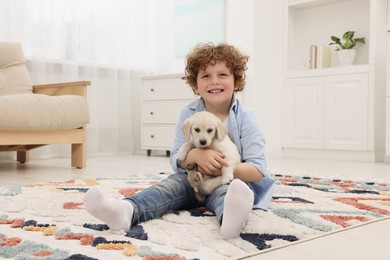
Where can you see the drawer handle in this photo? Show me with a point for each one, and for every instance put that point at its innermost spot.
(152, 89)
(151, 136)
(151, 113)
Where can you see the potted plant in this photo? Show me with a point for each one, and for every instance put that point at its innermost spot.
(346, 47)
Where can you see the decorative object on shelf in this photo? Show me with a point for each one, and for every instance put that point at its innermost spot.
(346, 57)
(319, 57)
(346, 47)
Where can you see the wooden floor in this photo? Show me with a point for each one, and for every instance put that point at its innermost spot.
(367, 242)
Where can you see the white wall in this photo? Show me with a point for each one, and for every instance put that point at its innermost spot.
(239, 31)
(164, 61)
(267, 86)
(254, 26)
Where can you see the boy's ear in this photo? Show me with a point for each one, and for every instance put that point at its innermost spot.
(221, 131)
(186, 129)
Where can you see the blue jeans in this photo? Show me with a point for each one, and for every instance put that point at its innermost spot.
(173, 193)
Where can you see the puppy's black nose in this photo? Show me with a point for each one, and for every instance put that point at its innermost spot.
(203, 142)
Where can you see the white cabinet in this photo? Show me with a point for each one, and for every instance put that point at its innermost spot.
(163, 97)
(340, 108)
(303, 113)
(346, 112)
(328, 112)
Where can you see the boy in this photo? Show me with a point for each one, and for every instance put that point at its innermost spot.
(214, 73)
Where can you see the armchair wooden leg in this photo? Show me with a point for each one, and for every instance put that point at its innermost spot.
(78, 155)
(23, 156)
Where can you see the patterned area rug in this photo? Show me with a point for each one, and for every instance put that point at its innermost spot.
(48, 220)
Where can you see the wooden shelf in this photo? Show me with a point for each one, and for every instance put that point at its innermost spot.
(328, 71)
(297, 4)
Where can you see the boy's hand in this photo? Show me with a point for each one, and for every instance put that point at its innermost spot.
(209, 162)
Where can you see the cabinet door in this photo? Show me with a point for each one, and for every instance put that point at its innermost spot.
(346, 112)
(303, 113)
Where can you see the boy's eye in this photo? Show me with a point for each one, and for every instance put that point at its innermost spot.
(196, 129)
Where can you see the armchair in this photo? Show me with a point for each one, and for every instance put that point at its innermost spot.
(34, 116)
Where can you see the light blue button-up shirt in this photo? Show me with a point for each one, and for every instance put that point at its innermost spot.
(244, 132)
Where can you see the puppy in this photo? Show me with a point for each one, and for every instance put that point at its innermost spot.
(205, 130)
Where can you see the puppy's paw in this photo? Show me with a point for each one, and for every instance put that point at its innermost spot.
(191, 167)
(227, 179)
(192, 178)
(198, 177)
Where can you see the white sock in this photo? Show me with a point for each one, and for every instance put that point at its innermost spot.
(116, 213)
(238, 205)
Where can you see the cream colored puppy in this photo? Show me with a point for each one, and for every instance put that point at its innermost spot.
(205, 130)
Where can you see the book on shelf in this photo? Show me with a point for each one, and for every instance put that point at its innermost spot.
(323, 57)
(319, 57)
(313, 57)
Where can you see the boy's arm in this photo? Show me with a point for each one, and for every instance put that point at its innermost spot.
(253, 165)
(247, 172)
(178, 142)
(208, 161)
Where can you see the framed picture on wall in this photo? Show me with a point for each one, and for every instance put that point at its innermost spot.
(198, 21)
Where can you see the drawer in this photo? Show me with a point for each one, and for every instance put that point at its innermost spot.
(166, 89)
(162, 112)
(159, 136)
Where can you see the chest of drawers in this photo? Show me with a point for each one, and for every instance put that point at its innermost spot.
(163, 97)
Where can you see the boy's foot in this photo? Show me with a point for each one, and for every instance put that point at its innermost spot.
(238, 205)
(117, 214)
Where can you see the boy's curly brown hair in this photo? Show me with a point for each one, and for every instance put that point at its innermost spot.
(205, 54)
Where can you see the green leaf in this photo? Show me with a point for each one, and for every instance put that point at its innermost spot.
(361, 40)
(348, 41)
(348, 35)
(335, 39)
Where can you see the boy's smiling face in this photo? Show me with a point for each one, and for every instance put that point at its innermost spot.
(216, 84)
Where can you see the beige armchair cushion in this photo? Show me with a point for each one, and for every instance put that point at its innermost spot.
(14, 77)
(39, 115)
(42, 112)
(20, 109)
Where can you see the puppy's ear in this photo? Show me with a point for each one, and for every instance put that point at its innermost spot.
(186, 129)
(221, 131)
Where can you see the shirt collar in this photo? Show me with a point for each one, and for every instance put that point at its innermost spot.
(199, 105)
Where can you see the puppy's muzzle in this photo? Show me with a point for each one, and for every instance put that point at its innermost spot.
(202, 142)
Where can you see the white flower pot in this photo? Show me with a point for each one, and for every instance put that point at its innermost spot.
(346, 57)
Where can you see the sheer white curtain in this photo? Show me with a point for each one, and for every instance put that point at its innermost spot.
(103, 41)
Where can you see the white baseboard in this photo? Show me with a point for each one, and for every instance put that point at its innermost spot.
(360, 156)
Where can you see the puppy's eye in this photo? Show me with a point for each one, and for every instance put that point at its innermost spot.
(210, 130)
(196, 129)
